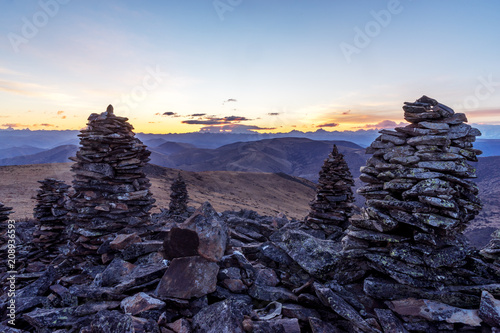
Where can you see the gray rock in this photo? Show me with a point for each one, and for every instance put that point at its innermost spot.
(389, 322)
(212, 231)
(315, 256)
(342, 308)
(221, 317)
(111, 322)
(435, 311)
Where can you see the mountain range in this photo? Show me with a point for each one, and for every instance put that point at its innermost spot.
(283, 157)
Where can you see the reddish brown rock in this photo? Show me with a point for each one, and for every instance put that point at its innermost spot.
(188, 277)
(181, 243)
(180, 326)
(122, 241)
(139, 303)
(489, 310)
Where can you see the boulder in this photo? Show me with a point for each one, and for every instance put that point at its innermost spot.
(188, 277)
(213, 234)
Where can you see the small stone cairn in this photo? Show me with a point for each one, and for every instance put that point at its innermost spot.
(492, 250)
(51, 213)
(332, 206)
(111, 190)
(178, 197)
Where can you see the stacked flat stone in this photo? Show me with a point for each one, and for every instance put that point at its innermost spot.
(419, 200)
(111, 190)
(51, 213)
(332, 206)
(178, 197)
(492, 251)
(4, 217)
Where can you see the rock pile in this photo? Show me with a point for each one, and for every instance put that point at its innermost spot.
(111, 190)
(419, 201)
(178, 198)
(492, 251)
(332, 206)
(51, 213)
(4, 217)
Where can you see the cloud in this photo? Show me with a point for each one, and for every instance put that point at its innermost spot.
(234, 128)
(229, 100)
(202, 122)
(60, 114)
(22, 88)
(328, 125)
(44, 125)
(235, 118)
(212, 120)
(198, 115)
(170, 114)
(346, 112)
(384, 124)
(273, 114)
(14, 125)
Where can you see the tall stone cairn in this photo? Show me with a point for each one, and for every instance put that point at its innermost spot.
(51, 212)
(332, 206)
(4, 217)
(419, 201)
(178, 197)
(111, 190)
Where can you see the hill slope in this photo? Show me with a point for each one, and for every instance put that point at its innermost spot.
(265, 193)
(58, 154)
(298, 157)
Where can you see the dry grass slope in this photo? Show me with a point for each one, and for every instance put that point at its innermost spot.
(265, 193)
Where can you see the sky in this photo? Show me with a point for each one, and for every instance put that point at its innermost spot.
(178, 66)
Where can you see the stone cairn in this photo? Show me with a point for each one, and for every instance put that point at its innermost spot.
(332, 206)
(111, 190)
(4, 216)
(178, 197)
(51, 213)
(418, 203)
(492, 251)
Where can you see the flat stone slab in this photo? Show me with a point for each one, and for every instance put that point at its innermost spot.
(188, 277)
